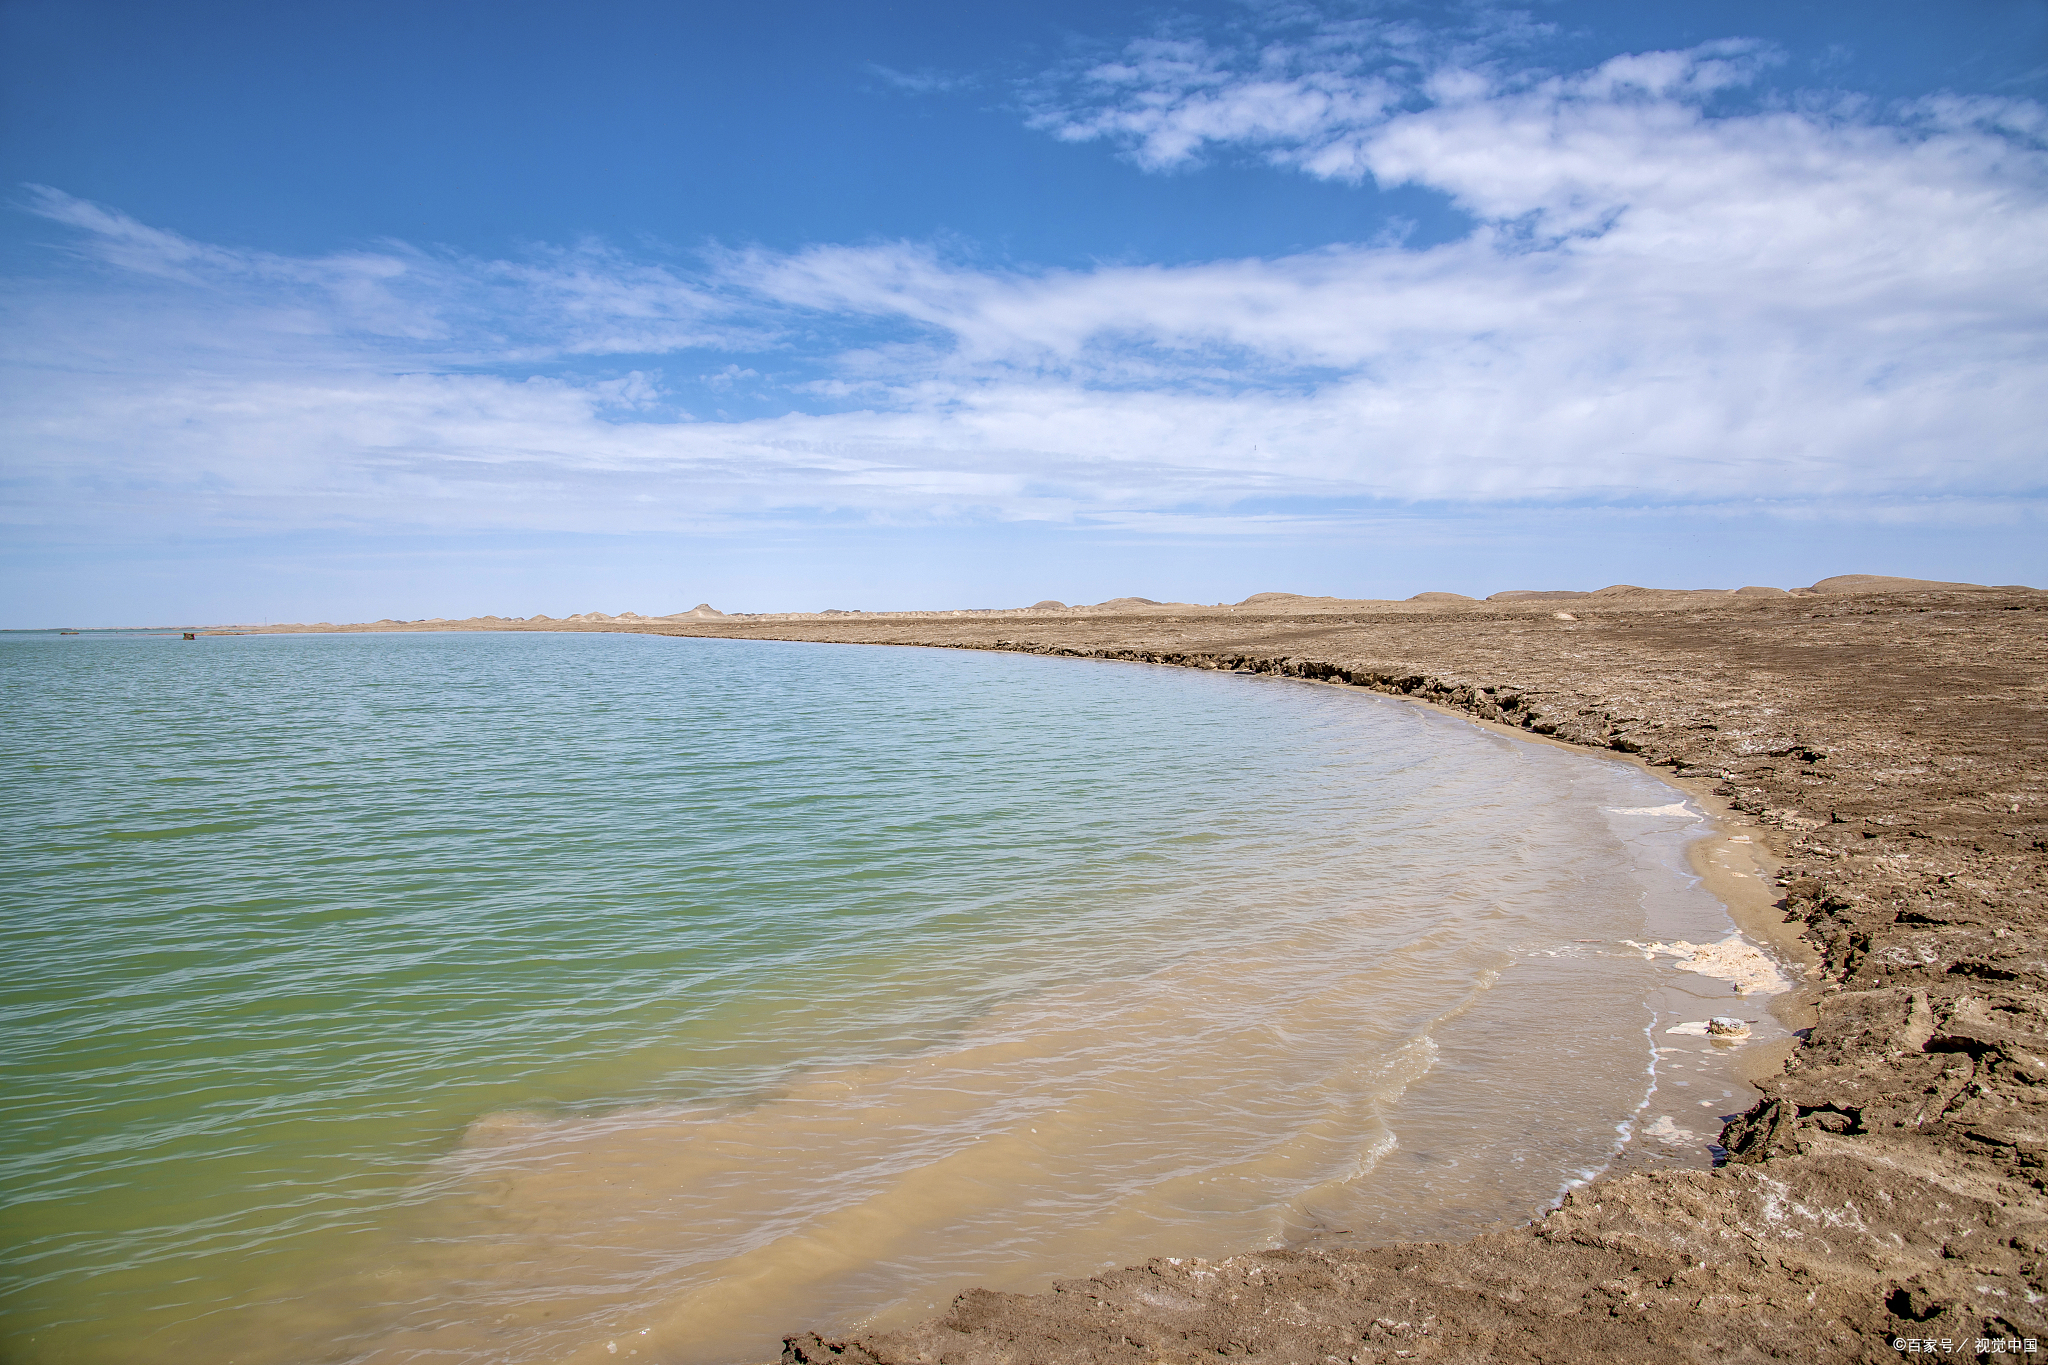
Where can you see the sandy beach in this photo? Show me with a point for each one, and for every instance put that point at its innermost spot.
(1875, 749)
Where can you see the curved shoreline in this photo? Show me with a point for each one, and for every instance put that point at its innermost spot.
(1891, 749)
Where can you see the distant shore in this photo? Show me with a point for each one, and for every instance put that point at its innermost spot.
(1885, 744)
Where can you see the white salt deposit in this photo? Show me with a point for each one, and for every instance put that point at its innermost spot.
(1740, 964)
(1666, 1130)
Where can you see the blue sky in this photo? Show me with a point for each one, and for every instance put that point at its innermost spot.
(353, 311)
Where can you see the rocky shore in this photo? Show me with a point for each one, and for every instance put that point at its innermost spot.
(1886, 1196)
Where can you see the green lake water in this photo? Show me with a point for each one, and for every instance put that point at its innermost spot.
(297, 925)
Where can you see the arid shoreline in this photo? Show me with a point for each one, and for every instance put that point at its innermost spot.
(1890, 751)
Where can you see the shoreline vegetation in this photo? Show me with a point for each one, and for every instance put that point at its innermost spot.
(1880, 748)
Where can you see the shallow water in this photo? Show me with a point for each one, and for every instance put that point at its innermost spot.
(510, 997)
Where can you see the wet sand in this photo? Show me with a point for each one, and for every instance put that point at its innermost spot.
(1877, 761)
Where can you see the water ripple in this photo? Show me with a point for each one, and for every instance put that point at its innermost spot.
(358, 979)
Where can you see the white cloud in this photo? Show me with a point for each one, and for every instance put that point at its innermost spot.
(1657, 302)
(1296, 87)
(1820, 304)
(722, 380)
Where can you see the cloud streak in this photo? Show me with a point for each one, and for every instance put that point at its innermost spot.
(1665, 298)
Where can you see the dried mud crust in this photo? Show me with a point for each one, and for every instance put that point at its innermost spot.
(1892, 750)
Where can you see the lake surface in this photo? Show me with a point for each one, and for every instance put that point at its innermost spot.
(536, 997)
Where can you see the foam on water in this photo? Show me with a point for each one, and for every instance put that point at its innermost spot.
(1747, 968)
(513, 998)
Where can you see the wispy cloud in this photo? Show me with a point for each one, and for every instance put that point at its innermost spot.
(924, 81)
(1666, 297)
(583, 299)
(1294, 84)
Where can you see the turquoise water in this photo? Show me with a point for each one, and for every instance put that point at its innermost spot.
(348, 974)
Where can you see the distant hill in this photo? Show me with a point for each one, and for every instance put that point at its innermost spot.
(1871, 582)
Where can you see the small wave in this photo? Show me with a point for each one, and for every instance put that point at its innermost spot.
(183, 831)
(1676, 808)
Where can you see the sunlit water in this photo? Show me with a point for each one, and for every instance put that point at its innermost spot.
(535, 997)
